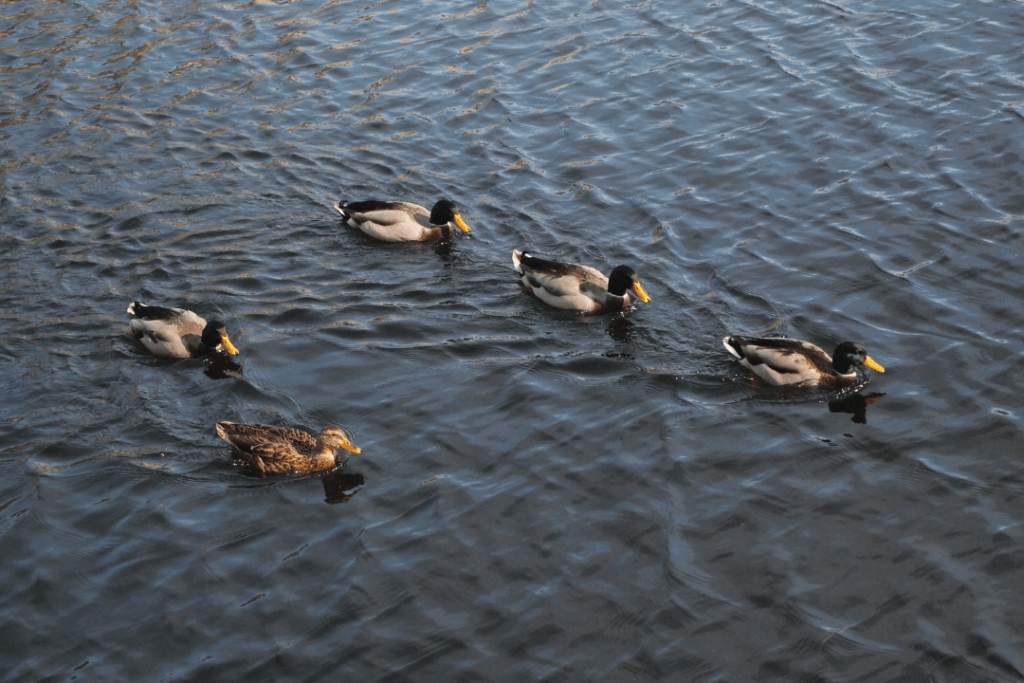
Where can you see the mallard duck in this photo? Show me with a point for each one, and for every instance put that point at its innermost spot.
(576, 287)
(403, 221)
(781, 362)
(177, 333)
(277, 450)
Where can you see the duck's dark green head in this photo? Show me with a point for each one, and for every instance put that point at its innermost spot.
(624, 278)
(849, 355)
(215, 335)
(445, 211)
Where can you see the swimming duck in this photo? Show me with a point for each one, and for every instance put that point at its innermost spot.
(782, 362)
(177, 333)
(277, 450)
(576, 287)
(403, 221)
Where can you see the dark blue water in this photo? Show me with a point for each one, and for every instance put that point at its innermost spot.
(540, 496)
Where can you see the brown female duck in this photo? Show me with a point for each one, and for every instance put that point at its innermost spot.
(278, 450)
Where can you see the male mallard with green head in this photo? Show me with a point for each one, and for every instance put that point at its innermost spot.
(781, 362)
(577, 287)
(176, 332)
(403, 221)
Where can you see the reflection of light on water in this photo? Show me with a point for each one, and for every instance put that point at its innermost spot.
(184, 173)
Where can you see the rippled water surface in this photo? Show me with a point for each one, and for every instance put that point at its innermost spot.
(541, 496)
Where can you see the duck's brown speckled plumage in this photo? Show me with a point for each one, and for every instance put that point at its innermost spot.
(278, 450)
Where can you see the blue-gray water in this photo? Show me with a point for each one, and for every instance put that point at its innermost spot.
(541, 497)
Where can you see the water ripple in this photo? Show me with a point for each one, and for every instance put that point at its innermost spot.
(540, 494)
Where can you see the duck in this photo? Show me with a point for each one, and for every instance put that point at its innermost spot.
(787, 362)
(403, 221)
(177, 333)
(279, 450)
(577, 287)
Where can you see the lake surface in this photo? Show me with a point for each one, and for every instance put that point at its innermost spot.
(541, 496)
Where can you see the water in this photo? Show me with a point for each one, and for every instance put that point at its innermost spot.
(540, 496)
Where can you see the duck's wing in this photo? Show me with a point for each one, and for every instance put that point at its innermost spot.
(265, 456)
(552, 285)
(384, 213)
(178, 336)
(559, 278)
(277, 456)
(170, 320)
(250, 436)
(161, 340)
(525, 262)
(377, 206)
(137, 309)
(570, 293)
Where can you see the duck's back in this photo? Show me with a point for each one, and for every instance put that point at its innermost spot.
(246, 437)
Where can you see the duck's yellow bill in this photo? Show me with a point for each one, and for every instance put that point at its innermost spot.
(461, 223)
(639, 291)
(350, 447)
(873, 365)
(228, 346)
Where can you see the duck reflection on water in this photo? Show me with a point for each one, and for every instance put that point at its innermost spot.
(222, 367)
(621, 329)
(339, 486)
(856, 405)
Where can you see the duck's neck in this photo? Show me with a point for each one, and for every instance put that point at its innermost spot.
(322, 451)
(843, 367)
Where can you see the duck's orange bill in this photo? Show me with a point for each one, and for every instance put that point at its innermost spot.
(228, 346)
(350, 447)
(873, 365)
(639, 290)
(461, 223)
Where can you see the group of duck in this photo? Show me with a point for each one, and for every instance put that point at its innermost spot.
(179, 333)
